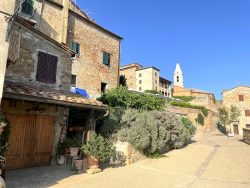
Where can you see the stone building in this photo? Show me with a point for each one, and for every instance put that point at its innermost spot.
(46, 38)
(141, 79)
(239, 97)
(200, 98)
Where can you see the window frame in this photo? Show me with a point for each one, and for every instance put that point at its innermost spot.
(104, 53)
(247, 113)
(76, 47)
(27, 7)
(46, 68)
(241, 98)
(73, 79)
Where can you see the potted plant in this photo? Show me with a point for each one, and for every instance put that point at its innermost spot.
(97, 149)
(61, 154)
(73, 144)
(3, 124)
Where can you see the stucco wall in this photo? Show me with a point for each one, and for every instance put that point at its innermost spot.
(89, 67)
(24, 70)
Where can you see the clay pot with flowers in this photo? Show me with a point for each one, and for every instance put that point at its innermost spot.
(97, 148)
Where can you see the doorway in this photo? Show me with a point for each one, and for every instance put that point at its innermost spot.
(236, 129)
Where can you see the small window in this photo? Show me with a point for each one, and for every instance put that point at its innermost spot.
(178, 78)
(140, 89)
(75, 47)
(103, 87)
(248, 126)
(46, 68)
(140, 82)
(247, 112)
(73, 80)
(28, 7)
(139, 74)
(156, 82)
(241, 98)
(156, 74)
(106, 58)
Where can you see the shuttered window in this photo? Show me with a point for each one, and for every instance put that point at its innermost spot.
(106, 58)
(46, 68)
(247, 112)
(28, 7)
(75, 47)
(241, 97)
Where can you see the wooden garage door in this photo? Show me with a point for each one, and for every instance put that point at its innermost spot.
(31, 141)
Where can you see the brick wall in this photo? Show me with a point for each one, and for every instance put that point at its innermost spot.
(89, 66)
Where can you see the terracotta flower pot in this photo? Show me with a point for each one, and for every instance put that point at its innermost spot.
(74, 151)
(92, 162)
(61, 160)
(79, 164)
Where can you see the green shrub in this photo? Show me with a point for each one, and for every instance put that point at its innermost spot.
(185, 98)
(71, 142)
(153, 131)
(188, 105)
(200, 119)
(98, 147)
(189, 126)
(4, 138)
(153, 92)
(121, 97)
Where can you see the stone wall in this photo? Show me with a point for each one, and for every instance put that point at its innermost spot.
(6, 9)
(89, 67)
(231, 97)
(24, 70)
(130, 74)
(210, 121)
(126, 152)
(246, 135)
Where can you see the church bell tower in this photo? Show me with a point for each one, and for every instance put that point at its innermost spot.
(178, 76)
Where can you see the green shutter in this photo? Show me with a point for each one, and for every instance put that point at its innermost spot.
(75, 47)
(27, 7)
(106, 58)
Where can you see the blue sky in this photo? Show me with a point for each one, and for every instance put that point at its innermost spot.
(210, 38)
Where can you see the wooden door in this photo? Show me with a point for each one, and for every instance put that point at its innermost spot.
(31, 141)
(44, 140)
(20, 151)
(236, 130)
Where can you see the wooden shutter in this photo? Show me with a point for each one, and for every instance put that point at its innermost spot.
(41, 67)
(241, 98)
(51, 68)
(27, 7)
(75, 47)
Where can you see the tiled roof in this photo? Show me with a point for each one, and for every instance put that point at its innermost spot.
(47, 95)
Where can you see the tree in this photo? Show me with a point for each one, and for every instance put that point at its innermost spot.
(234, 113)
(224, 116)
(123, 81)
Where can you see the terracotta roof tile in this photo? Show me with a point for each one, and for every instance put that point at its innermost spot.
(58, 96)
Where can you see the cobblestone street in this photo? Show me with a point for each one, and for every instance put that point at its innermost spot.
(213, 160)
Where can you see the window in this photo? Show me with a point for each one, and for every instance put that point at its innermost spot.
(139, 74)
(75, 47)
(73, 80)
(178, 78)
(103, 87)
(248, 126)
(241, 98)
(156, 82)
(140, 89)
(46, 68)
(28, 7)
(156, 74)
(140, 82)
(106, 58)
(247, 112)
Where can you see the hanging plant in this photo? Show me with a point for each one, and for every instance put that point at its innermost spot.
(5, 132)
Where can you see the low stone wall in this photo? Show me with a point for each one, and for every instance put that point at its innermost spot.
(127, 154)
(246, 135)
(210, 121)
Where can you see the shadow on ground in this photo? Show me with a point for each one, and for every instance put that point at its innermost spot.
(37, 177)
